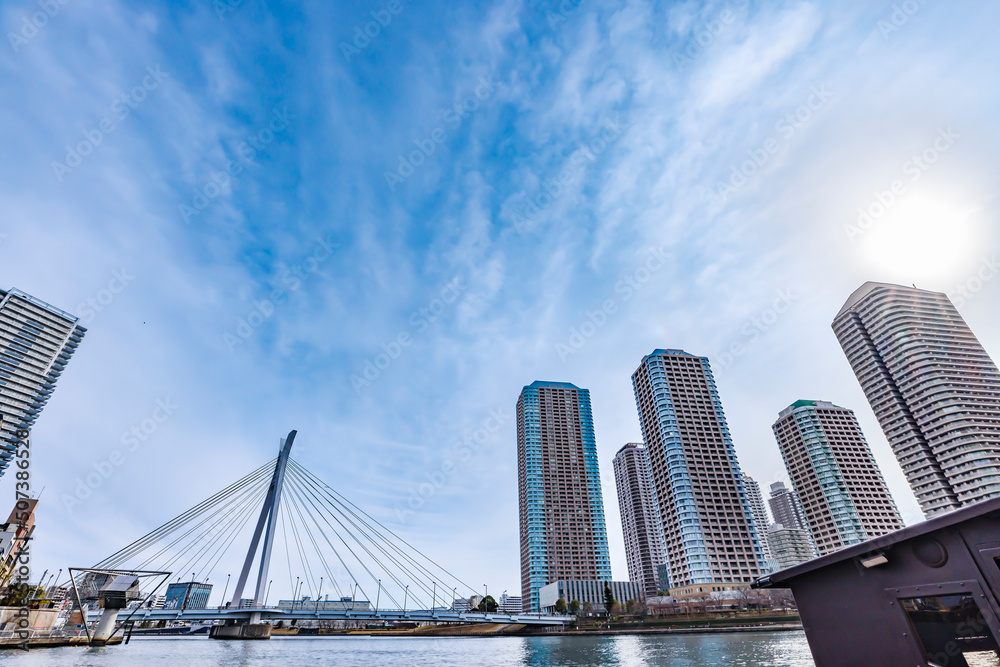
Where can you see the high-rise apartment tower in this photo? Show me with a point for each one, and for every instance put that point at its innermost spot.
(843, 495)
(759, 512)
(789, 547)
(36, 342)
(563, 533)
(786, 508)
(934, 389)
(641, 526)
(711, 539)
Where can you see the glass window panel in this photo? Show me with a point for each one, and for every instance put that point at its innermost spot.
(951, 627)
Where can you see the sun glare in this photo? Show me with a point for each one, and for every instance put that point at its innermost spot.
(919, 238)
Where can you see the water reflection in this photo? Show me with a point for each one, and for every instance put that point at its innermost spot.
(779, 649)
(751, 649)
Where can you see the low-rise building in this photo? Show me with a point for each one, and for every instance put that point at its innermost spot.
(587, 591)
(14, 537)
(510, 604)
(465, 604)
(187, 595)
(343, 604)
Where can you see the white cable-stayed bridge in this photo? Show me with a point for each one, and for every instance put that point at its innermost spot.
(347, 565)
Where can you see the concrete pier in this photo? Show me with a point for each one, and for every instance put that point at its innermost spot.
(241, 631)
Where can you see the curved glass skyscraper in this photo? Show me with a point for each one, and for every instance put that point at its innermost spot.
(934, 389)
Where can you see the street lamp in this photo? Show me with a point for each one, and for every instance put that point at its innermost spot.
(405, 594)
(319, 596)
(378, 596)
(267, 592)
(486, 594)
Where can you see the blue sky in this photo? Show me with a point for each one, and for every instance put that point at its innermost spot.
(487, 195)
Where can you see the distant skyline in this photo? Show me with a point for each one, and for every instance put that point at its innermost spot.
(207, 190)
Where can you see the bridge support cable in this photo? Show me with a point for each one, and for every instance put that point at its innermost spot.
(338, 514)
(216, 533)
(208, 524)
(223, 548)
(371, 535)
(128, 552)
(323, 533)
(391, 573)
(331, 577)
(358, 513)
(304, 494)
(427, 587)
(308, 580)
(347, 546)
(434, 571)
(288, 557)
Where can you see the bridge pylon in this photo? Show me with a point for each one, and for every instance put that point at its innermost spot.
(266, 523)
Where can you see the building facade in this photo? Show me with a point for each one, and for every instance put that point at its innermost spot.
(663, 576)
(562, 528)
(510, 604)
(786, 508)
(641, 525)
(15, 539)
(342, 604)
(710, 535)
(591, 592)
(36, 342)
(843, 495)
(934, 389)
(789, 547)
(759, 512)
(187, 595)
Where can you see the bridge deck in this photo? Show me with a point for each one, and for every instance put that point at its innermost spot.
(396, 616)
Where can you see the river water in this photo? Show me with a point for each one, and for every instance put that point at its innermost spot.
(766, 649)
